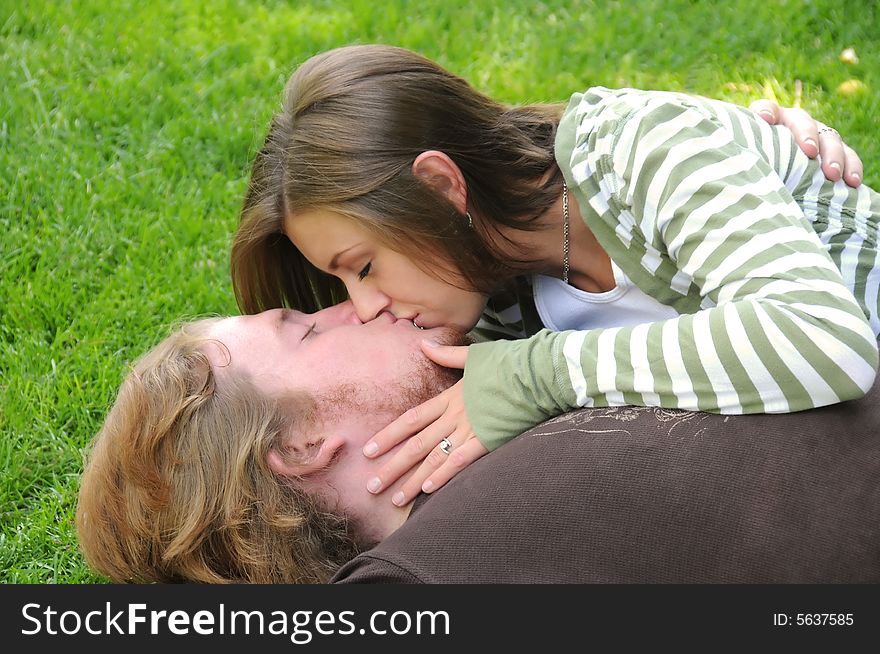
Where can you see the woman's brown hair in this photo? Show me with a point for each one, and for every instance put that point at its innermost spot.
(353, 121)
(177, 485)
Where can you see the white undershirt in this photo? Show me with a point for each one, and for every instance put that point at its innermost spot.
(562, 306)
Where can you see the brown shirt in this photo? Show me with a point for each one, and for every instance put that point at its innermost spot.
(647, 495)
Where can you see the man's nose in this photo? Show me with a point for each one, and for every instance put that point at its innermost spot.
(340, 314)
(369, 302)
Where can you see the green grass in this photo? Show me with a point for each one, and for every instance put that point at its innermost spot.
(125, 135)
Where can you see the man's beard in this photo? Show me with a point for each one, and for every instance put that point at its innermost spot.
(429, 379)
(426, 380)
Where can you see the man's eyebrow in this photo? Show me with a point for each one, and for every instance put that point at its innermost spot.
(334, 262)
(284, 315)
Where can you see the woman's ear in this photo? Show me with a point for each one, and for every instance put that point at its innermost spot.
(440, 172)
(304, 461)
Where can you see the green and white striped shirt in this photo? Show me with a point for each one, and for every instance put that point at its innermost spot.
(773, 271)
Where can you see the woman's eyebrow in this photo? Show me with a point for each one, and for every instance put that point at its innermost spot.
(334, 262)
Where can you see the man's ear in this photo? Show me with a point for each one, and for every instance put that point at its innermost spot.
(301, 462)
(443, 175)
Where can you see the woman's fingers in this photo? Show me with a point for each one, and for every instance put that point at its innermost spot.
(766, 109)
(852, 167)
(448, 356)
(441, 465)
(459, 459)
(815, 139)
(804, 129)
(831, 152)
(418, 448)
(430, 449)
(434, 460)
(411, 422)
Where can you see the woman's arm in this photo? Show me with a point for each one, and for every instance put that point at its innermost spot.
(779, 330)
(523, 395)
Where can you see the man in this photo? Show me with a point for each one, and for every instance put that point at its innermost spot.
(233, 450)
(234, 453)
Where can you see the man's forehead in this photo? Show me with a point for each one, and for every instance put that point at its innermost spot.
(227, 336)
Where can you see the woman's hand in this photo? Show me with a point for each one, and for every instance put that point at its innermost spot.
(439, 433)
(815, 138)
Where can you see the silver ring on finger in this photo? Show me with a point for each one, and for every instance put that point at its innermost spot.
(446, 446)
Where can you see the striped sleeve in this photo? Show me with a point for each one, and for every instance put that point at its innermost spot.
(779, 330)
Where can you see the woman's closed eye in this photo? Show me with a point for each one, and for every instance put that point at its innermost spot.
(365, 271)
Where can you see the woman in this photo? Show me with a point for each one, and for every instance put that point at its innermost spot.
(683, 253)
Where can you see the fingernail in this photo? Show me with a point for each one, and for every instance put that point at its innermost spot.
(370, 449)
(767, 114)
(430, 343)
(427, 486)
(398, 498)
(856, 177)
(374, 485)
(835, 165)
(811, 142)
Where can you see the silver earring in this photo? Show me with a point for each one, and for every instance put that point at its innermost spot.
(470, 219)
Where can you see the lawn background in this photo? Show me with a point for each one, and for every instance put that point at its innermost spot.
(126, 129)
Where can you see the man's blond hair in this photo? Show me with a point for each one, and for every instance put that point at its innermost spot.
(177, 485)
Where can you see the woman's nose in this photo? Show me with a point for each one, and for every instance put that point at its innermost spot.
(369, 302)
